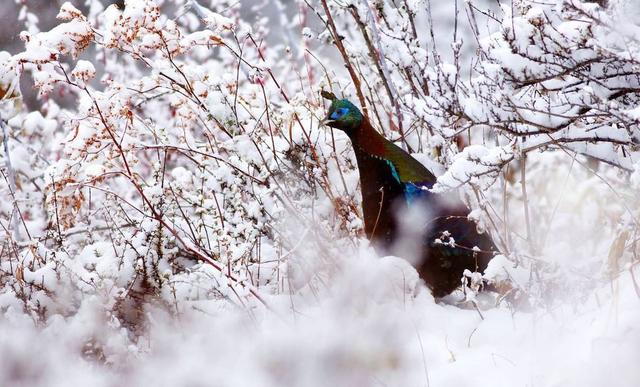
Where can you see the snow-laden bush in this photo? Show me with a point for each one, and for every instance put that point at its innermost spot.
(170, 175)
(174, 205)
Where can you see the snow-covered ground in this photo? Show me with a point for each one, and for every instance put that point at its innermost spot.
(364, 330)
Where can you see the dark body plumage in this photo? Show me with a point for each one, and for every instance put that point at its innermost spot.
(392, 185)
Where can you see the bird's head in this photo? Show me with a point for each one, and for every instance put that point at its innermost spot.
(342, 114)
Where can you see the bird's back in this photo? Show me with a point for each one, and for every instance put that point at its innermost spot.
(394, 186)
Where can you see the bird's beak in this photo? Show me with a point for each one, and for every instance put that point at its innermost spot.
(327, 122)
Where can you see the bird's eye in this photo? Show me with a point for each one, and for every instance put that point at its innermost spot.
(338, 113)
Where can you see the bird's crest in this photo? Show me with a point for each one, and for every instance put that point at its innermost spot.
(328, 95)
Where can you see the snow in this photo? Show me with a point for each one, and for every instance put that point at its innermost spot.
(35, 122)
(93, 170)
(361, 334)
(83, 72)
(187, 221)
(470, 164)
(69, 12)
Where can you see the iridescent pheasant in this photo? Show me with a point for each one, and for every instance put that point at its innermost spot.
(395, 185)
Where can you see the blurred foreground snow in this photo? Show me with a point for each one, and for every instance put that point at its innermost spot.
(366, 329)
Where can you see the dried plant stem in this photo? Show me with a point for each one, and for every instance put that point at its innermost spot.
(10, 178)
(525, 203)
(337, 39)
(377, 56)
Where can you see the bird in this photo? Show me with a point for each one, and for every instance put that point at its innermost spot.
(395, 186)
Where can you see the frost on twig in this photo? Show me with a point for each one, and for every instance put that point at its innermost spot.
(472, 164)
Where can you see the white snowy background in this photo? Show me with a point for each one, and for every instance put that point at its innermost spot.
(174, 214)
